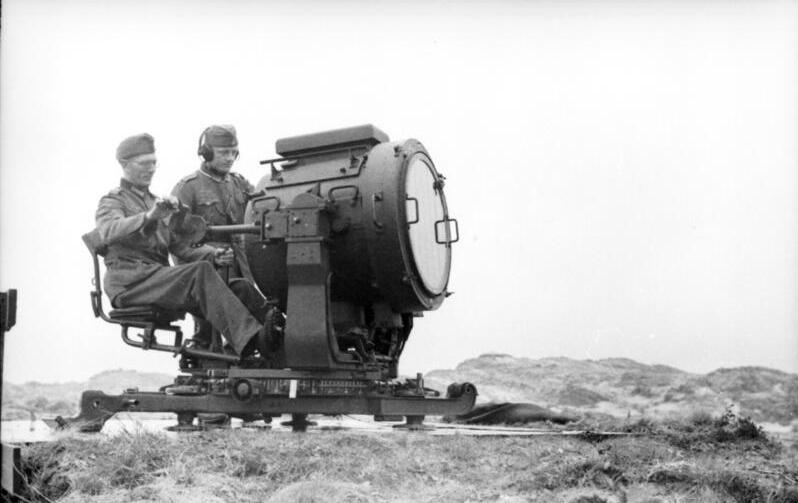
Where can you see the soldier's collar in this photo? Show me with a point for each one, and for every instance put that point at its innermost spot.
(140, 191)
(205, 170)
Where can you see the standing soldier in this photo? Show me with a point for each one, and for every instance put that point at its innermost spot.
(219, 196)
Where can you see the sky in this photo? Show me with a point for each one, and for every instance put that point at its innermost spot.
(623, 173)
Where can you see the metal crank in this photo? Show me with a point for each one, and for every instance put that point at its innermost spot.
(266, 393)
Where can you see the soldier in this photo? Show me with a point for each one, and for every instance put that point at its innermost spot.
(219, 196)
(216, 193)
(133, 224)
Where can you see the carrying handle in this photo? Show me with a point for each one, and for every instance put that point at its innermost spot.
(340, 188)
(415, 204)
(448, 239)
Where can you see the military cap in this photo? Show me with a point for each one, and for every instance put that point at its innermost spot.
(221, 135)
(135, 145)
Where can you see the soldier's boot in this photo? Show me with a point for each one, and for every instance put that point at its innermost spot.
(203, 334)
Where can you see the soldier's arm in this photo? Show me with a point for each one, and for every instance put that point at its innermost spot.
(181, 194)
(249, 187)
(184, 192)
(187, 253)
(112, 223)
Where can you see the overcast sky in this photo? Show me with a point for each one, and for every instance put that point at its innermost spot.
(624, 174)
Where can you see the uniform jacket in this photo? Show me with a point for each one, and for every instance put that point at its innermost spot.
(136, 248)
(219, 201)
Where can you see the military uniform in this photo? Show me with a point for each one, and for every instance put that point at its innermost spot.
(219, 201)
(138, 271)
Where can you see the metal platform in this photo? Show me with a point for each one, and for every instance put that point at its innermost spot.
(243, 397)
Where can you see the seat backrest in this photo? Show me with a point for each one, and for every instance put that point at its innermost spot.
(94, 242)
(95, 245)
(133, 315)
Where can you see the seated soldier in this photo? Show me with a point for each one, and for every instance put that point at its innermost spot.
(133, 224)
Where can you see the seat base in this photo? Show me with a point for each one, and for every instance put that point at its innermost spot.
(145, 314)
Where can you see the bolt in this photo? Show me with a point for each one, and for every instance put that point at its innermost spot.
(297, 220)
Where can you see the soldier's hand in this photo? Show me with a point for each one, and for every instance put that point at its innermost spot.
(163, 208)
(223, 256)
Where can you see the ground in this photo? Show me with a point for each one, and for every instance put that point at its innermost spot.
(701, 459)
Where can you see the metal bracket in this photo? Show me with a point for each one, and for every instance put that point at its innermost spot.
(264, 199)
(375, 198)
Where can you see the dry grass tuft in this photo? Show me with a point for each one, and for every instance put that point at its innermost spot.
(322, 491)
(93, 466)
(663, 462)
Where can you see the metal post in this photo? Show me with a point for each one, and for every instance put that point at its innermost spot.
(8, 318)
(10, 479)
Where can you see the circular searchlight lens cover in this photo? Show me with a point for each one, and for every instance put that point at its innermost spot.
(424, 207)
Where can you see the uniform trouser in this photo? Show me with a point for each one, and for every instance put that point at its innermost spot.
(198, 289)
(248, 294)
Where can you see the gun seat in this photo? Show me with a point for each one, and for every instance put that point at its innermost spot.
(148, 318)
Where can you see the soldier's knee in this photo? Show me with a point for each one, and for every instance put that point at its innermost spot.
(204, 267)
(205, 273)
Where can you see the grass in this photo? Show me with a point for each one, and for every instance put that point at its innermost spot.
(698, 459)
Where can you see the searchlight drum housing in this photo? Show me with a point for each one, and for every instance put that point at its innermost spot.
(355, 228)
(390, 231)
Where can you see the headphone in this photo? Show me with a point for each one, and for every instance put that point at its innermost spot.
(203, 149)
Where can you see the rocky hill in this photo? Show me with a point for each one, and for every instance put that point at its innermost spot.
(615, 387)
(621, 387)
